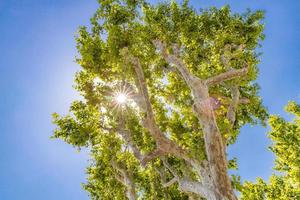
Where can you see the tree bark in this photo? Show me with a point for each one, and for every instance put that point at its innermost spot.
(214, 146)
(126, 179)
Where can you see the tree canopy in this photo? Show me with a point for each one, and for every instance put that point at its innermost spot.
(285, 184)
(166, 88)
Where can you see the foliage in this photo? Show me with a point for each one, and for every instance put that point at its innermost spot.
(286, 139)
(212, 42)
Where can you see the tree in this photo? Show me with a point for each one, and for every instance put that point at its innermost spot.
(286, 146)
(166, 89)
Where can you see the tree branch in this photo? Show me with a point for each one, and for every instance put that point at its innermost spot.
(231, 113)
(125, 179)
(173, 59)
(119, 178)
(150, 156)
(231, 74)
(164, 145)
(242, 100)
(171, 182)
(169, 167)
(215, 149)
(164, 178)
(187, 185)
(142, 85)
(136, 152)
(127, 137)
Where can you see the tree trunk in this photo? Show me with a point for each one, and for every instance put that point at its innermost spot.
(215, 149)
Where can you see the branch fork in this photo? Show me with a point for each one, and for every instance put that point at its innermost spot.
(215, 149)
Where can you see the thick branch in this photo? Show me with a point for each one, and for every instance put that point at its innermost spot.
(150, 156)
(164, 145)
(231, 74)
(173, 59)
(214, 146)
(231, 113)
(242, 100)
(186, 185)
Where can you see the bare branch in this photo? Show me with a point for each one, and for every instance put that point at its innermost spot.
(231, 113)
(176, 50)
(186, 185)
(173, 59)
(228, 48)
(142, 85)
(164, 145)
(136, 152)
(164, 178)
(231, 74)
(161, 47)
(126, 135)
(150, 156)
(161, 173)
(215, 149)
(171, 182)
(244, 100)
(169, 167)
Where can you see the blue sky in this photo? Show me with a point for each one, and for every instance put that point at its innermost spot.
(37, 67)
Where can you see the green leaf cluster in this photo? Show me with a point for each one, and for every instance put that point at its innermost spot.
(206, 36)
(284, 185)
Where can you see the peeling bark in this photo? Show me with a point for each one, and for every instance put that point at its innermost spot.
(215, 183)
(164, 144)
(215, 149)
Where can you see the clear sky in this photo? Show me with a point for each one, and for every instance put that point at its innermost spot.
(37, 50)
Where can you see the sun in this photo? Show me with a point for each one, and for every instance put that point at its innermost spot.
(121, 98)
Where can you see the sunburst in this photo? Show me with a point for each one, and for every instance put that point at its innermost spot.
(121, 97)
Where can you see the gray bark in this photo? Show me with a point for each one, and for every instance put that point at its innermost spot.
(215, 149)
(215, 183)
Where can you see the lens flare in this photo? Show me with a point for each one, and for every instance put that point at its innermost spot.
(121, 98)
